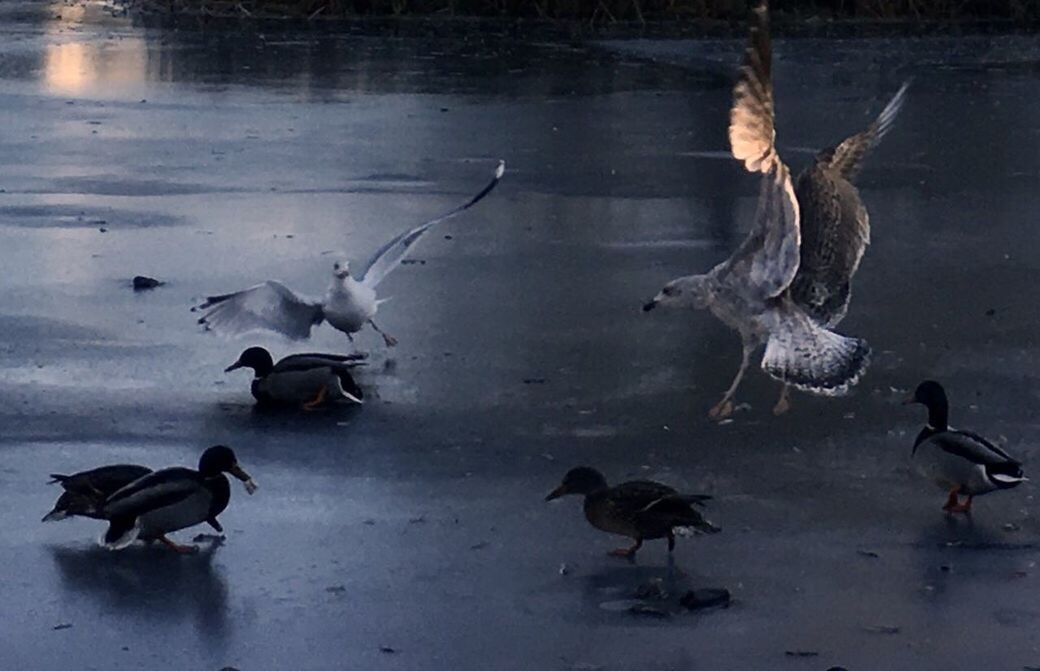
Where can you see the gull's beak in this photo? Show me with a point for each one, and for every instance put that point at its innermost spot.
(249, 483)
(650, 306)
(556, 493)
(234, 366)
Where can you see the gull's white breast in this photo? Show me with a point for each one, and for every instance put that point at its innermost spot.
(349, 304)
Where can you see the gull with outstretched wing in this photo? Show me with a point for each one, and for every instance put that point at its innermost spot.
(348, 304)
(835, 225)
(749, 291)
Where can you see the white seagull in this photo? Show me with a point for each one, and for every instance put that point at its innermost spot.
(348, 304)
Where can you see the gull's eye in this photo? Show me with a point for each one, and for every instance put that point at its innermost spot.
(335, 266)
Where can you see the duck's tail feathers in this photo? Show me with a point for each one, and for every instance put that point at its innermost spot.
(695, 499)
(811, 358)
(57, 478)
(55, 515)
(701, 526)
(121, 533)
(1006, 475)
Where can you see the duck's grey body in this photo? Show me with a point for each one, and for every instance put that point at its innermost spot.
(299, 386)
(964, 461)
(961, 462)
(301, 379)
(165, 501)
(172, 499)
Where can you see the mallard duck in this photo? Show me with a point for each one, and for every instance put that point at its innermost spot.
(640, 509)
(749, 291)
(171, 499)
(86, 492)
(348, 305)
(961, 462)
(305, 379)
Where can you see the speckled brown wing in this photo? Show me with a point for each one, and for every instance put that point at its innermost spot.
(835, 226)
(768, 258)
(835, 234)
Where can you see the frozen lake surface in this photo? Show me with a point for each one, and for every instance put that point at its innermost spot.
(411, 534)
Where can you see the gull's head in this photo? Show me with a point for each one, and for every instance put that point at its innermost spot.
(341, 270)
(692, 291)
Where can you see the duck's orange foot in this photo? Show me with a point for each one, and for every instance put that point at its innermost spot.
(178, 548)
(624, 553)
(316, 402)
(954, 505)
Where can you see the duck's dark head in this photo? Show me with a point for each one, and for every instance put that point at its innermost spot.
(581, 480)
(256, 358)
(931, 395)
(221, 459)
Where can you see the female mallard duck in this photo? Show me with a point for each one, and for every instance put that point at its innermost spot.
(86, 492)
(961, 462)
(305, 379)
(172, 499)
(640, 509)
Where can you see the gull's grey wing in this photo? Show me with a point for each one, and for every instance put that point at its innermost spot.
(767, 260)
(835, 226)
(270, 305)
(389, 256)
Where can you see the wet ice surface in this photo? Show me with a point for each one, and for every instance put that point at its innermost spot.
(416, 524)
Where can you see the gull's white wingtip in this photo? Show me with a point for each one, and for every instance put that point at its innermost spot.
(500, 170)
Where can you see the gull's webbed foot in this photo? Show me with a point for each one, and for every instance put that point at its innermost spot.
(722, 410)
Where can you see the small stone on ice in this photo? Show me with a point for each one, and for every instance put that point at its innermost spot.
(142, 282)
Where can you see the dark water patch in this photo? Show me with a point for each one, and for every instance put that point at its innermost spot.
(78, 216)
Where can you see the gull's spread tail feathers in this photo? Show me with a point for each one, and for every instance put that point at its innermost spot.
(807, 356)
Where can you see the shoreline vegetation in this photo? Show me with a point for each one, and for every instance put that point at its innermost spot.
(711, 15)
